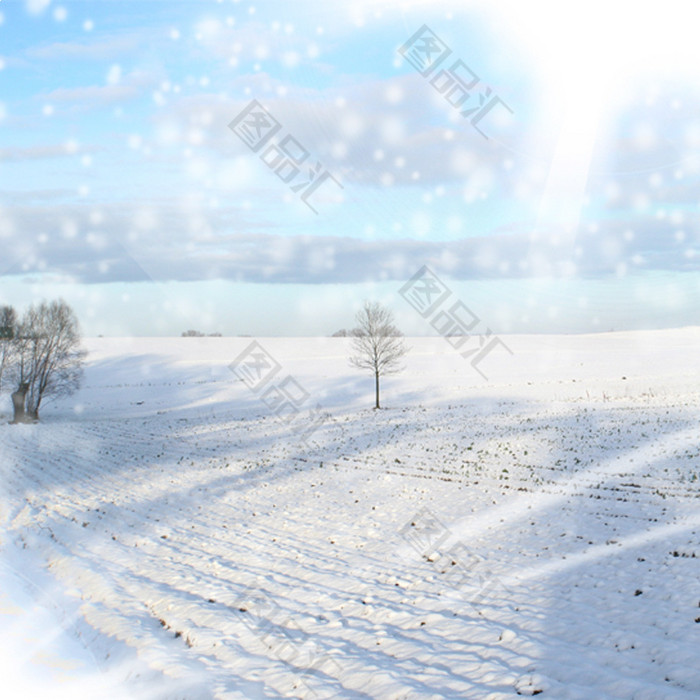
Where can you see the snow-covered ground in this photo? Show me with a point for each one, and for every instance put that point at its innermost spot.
(166, 536)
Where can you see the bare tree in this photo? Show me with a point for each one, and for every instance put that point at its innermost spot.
(377, 344)
(48, 358)
(8, 326)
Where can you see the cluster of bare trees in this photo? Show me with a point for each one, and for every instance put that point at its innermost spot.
(40, 355)
(199, 334)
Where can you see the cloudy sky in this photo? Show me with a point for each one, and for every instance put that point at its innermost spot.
(261, 167)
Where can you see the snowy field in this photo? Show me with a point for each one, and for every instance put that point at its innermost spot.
(166, 536)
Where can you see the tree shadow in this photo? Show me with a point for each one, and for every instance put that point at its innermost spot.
(211, 443)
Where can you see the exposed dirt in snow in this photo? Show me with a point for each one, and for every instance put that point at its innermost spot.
(536, 535)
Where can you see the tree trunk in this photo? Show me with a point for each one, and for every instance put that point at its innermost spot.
(18, 399)
(376, 389)
(33, 411)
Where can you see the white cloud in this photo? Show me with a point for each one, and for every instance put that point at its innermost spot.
(15, 153)
(118, 90)
(103, 48)
(36, 7)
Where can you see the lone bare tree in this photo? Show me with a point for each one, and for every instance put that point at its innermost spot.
(377, 344)
(48, 359)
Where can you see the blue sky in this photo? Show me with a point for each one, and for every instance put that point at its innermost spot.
(123, 189)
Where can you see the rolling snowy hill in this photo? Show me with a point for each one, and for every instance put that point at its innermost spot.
(166, 535)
